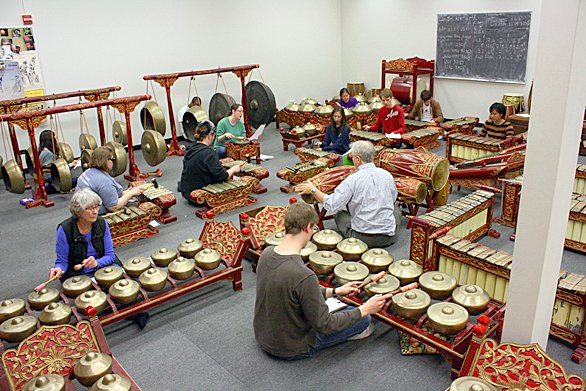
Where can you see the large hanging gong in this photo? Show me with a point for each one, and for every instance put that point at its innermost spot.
(153, 147)
(261, 104)
(119, 133)
(13, 177)
(66, 152)
(86, 159)
(61, 175)
(152, 117)
(191, 118)
(87, 141)
(120, 158)
(220, 106)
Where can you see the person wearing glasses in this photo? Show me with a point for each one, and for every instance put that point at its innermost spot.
(201, 165)
(228, 128)
(97, 179)
(83, 239)
(364, 203)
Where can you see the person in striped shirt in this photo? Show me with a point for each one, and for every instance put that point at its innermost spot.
(496, 126)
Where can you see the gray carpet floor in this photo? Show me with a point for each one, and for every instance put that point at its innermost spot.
(205, 340)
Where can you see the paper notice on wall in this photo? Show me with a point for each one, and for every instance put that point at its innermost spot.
(17, 49)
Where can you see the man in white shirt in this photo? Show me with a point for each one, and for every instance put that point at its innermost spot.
(364, 203)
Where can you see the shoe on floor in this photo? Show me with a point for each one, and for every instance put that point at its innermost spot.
(365, 334)
(141, 319)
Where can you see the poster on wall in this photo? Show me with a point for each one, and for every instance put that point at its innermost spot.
(20, 69)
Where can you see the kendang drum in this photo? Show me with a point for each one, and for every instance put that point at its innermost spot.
(402, 89)
(428, 167)
(328, 180)
(356, 88)
(517, 100)
(411, 190)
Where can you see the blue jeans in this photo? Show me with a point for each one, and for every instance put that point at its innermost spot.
(324, 341)
(221, 152)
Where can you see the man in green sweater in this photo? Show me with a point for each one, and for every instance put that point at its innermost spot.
(291, 318)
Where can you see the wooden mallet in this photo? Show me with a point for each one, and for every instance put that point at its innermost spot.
(44, 284)
(374, 278)
(413, 285)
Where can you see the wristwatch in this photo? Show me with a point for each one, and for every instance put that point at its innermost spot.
(334, 292)
(313, 190)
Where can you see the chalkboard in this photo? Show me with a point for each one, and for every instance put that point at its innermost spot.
(485, 46)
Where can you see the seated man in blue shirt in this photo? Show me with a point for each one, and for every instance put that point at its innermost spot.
(364, 203)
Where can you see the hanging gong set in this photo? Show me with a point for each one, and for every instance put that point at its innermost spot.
(152, 143)
(86, 159)
(120, 158)
(13, 177)
(119, 133)
(61, 175)
(220, 106)
(87, 141)
(261, 104)
(191, 118)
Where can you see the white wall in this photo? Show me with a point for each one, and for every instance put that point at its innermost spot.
(373, 30)
(85, 44)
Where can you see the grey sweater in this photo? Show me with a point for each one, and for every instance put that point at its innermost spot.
(290, 306)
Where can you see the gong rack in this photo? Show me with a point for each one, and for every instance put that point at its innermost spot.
(166, 80)
(221, 236)
(15, 105)
(452, 348)
(413, 66)
(29, 120)
(34, 364)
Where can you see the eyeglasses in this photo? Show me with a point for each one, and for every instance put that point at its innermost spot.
(113, 159)
(93, 207)
(240, 110)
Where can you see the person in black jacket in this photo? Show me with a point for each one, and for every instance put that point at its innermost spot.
(201, 165)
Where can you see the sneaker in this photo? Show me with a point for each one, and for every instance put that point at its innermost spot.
(365, 334)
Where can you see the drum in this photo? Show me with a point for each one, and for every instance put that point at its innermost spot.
(327, 181)
(356, 88)
(510, 110)
(402, 89)
(518, 100)
(411, 190)
(427, 167)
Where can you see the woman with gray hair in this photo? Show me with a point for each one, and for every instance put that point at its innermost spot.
(83, 239)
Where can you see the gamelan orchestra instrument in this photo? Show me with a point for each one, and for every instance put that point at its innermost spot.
(489, 170)
(356, 88)
(243, 150)
(308, 154)
(422, 138)
(225, 196)
(462, 147)
(302, 172)
(160, 196)
(489, 269)
(141, 283)
(464, 125)
(132, 223)
(262, 222)
(248, 169)
(576, 230)
(580, 179)
(412, 125)
(298, 137)
(517, 100)
(427, 167)
(468, 217)
(374, 137)
(91, 363)
(520, 122)
(402, 89)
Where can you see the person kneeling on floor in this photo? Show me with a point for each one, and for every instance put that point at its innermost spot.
(291, 317)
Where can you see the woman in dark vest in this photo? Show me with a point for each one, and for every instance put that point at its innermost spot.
(83, 239)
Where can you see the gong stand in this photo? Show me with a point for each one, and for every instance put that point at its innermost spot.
(452, 348)
(14, 105)
(29, 120)
(413, 66)
(167, 80)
